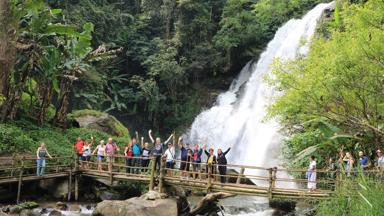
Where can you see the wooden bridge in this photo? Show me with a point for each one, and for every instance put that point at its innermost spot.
(270, 182)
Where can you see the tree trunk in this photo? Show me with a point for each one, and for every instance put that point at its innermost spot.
(46, 97)
(62, 108)
(208, 202)
(7, 48)
(9, 109)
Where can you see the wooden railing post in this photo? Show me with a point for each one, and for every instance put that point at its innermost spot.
(270, 183)
(70, 179)
(110, 168)
(162, 173)
(241, 174)
(152, 179)
(210, 172)
(338, 179)
(76, 187)
(20, 181)
(274, 173)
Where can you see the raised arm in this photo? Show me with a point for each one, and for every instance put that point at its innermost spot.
(179, 142)
(227, 151)
(137, 136)
(169, 139)
(92, 140)
(150, 136)
(142, 142)
(94, 150)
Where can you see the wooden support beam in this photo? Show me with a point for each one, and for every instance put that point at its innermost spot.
(241, 174)
(70, 184)
(162, 173)
(20, 181)
(210, 172)
(270, 171)
(76, 188)
(152, 178)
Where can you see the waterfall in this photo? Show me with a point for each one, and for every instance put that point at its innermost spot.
(238, 117)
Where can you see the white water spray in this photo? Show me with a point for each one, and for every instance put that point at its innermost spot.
(237, 119)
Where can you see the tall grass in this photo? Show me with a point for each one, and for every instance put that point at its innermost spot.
(359, 196)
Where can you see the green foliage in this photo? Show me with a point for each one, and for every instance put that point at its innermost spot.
(24, 136)
(356, 197)
(338, 83)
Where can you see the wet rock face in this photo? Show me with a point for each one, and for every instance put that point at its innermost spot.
(282, 207)
(153, 203)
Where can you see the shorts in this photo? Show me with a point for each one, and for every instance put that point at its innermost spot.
(184, 165)
(79, 156)
(100, 157)
(170, 164)
(196, 166)
(85, 158)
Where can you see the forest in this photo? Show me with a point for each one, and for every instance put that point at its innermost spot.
(154, 62)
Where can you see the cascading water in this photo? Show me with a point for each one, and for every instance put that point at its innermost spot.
(237, 119)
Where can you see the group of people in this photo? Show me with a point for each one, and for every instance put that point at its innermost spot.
(137, 156)
(347, 164)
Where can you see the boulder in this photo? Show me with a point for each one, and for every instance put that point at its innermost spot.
(145, 205)
(55, 213)
(74, 208)
(29, 212)
(61, 206)
(104, 122)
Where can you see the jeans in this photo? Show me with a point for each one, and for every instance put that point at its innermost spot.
(136, 163)
(223, 172)
(40, 167)
(128, 164)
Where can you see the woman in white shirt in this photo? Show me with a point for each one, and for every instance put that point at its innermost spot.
(311, 174)
(100, 149)
(169, 154)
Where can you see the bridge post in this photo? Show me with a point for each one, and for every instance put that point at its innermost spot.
(210, 172)
(338, 179)
(70, 178)
(76, 187)
(162, 173)
(20, 181)
(110, 168)
(270, 183)
(241, 174)
(274, 173)
(152, 178)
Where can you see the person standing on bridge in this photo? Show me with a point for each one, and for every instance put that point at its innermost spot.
(196, 159)
(128, 153)
(136, 149)
(145, 155)
(100, 149)
(41, 154)
(311, 174)
(222, 163)
(110, 149)
(211, 161)
(79, 148)
(184, 165)
(169, 156)
(158, 149)
(364, 162)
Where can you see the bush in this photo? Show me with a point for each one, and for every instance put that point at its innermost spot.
(24, 136)
(356, 197)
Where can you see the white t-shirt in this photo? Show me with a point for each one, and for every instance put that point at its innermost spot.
(380, 162)
(170, 154)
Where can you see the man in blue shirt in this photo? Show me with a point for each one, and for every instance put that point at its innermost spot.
(363, 162)
(184, 166)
